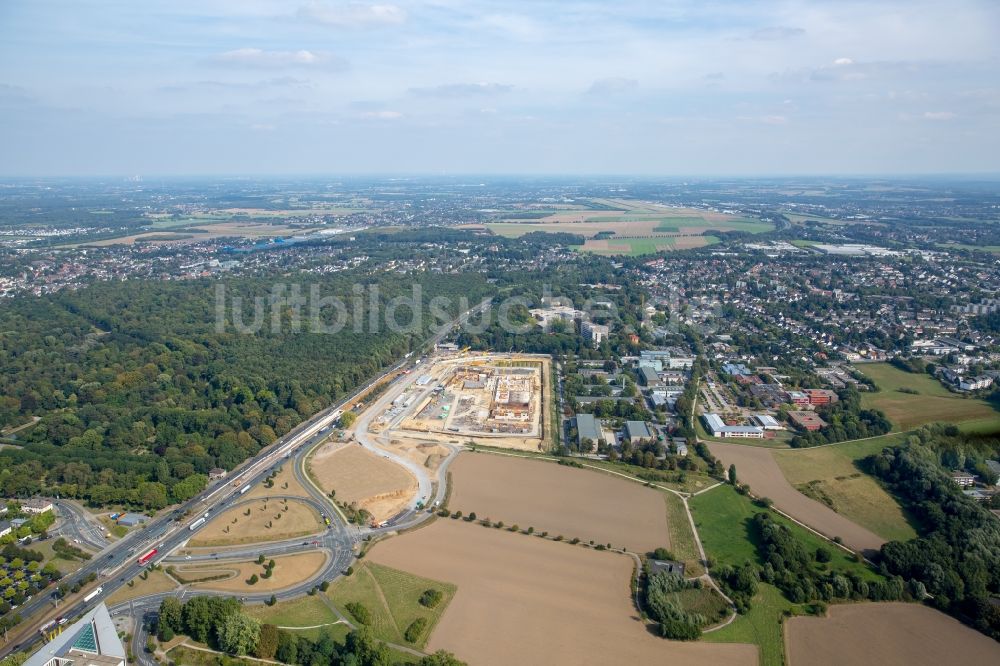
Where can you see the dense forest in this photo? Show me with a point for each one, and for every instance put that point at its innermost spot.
(954, 561)
(138, 394)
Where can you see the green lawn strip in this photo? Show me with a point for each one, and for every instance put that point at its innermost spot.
(932, 402)
(392, 598)
(307, 611)
(191, 657)
(761, 626)
(682, 541)
(693, 480)
(831, 474)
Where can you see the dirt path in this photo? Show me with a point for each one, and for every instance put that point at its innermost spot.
(757, 468)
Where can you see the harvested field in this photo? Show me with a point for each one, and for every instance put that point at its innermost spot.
(376, 484)
(289, 570)
(269, 520)
(525, 600)
(560, 500)
(888, 634)
(285, 484)
(756, 467)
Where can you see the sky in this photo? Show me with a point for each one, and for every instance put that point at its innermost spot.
(668, 87)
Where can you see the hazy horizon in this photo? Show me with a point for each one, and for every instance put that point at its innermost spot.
(678, 89)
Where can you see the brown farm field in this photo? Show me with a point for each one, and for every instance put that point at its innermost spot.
(289, 570)
(888, 634)
(756, 467)
(374, 483)
(269, 520)
(525, 600)
(560, 500)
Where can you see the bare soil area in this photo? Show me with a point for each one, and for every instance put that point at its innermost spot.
(525, 600)
(755, 466)
(560, 500)
(887, 634)
(376, 484)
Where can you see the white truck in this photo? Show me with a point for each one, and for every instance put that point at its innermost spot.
(244, 489)
(196, 524)
(93, 595)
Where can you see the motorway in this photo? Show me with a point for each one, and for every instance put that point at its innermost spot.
(116, 563)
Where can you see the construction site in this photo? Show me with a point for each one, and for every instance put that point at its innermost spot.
(478, 398)
(496, 399)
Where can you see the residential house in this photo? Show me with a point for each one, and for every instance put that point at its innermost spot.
(963, 479)
(36, 505)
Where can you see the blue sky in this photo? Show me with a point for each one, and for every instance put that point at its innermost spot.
(676, 87)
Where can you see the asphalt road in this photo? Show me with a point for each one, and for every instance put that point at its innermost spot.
(117, 563)
(77, 523)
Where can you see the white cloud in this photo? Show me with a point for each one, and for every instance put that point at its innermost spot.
(382, 115)
(513, 25)
(612, 86)
(352, 14)
(259, 58)
(776, 33)
(454, 90)
(939, 115)
(841, 62)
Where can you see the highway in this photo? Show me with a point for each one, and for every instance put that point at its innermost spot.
(116, 563)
